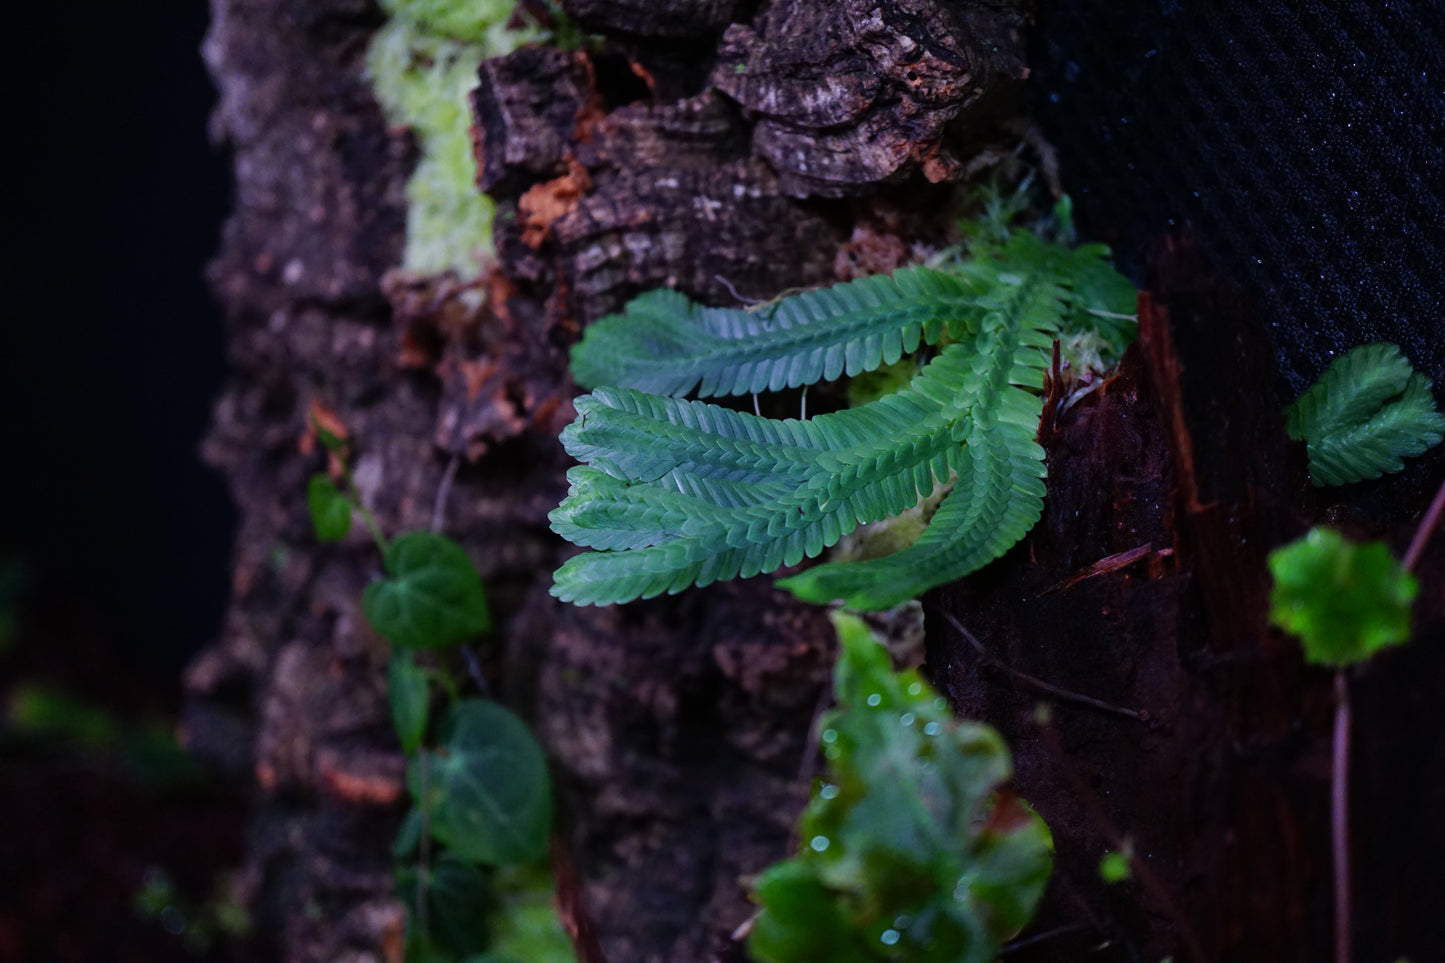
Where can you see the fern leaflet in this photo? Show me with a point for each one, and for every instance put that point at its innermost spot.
(675, 493)
(1369, 410)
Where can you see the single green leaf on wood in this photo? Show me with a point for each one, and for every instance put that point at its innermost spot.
(1369, 410)
(406, 689)
(487, 792)
(912, 849)
(1114, 867)
(330, 509)
(802, 919)
(431, 596)
(459, 908)
(1345, 601)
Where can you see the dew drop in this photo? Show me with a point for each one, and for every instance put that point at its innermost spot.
(830, 736)
(931, 729)
(964, 889)
(940, 703)
(819, 843)
(907, 718)
(829, 792)
(875, 700)
(915, 688)
(889, 937)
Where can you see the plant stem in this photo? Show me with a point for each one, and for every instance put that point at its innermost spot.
(1340, 816)
(1427, 527)
(439, 507)
(424, 853)
(1039, 685)
(367, 518)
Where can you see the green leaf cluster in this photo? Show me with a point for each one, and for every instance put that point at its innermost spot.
(1346, 601)
(912, 849)
(1369, 410)
(675, 493)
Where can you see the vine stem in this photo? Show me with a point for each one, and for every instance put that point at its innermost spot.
(1340, 769)
(1425, 530)
(1039, 685)
(367, 518)
(1340, 816)
(424, 853)
(444, 490)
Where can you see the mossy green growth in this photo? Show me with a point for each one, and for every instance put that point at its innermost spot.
(480, 23)
(422, 65)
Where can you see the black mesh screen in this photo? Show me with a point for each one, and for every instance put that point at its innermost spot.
(1303, 143)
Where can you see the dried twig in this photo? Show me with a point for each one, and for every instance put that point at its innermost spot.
(1039, 685)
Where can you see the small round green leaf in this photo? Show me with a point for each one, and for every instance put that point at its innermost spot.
(406, 688)
(330, 509)
(431, 596)
(1344, 600)
(1114, 867)
(487, 791)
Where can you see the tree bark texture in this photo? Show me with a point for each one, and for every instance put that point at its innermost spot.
(732, 149)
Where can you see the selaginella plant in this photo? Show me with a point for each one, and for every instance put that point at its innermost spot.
(675, 493)
(912, 848)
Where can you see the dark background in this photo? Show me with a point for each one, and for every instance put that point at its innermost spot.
(114, 539)
(114, 349)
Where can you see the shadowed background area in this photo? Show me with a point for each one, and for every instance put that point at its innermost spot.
(1301, 142)
(114, 353)
(114, 539)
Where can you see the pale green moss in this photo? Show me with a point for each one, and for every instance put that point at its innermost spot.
(482, 23)
(422, 65)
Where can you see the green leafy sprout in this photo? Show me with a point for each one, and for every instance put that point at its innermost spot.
(1368, 410)
(1345, 601)
(674, 493)
(912, 848)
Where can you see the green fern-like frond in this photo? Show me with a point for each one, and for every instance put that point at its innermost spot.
(1369, 410)
(666, 344)
(675, 493)
(996, 499)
